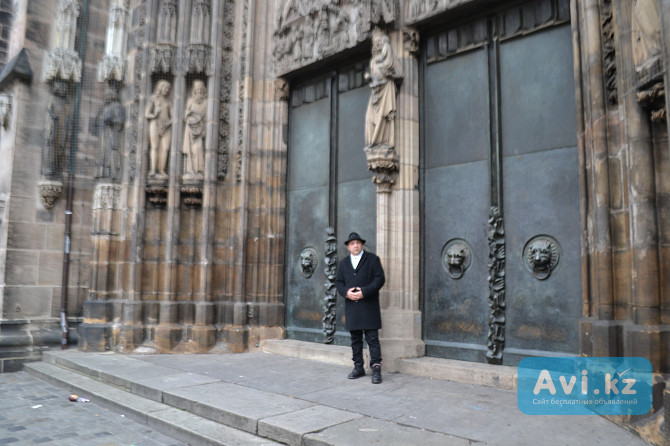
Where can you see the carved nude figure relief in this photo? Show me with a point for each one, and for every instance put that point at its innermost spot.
(159, 115)
(194, 132)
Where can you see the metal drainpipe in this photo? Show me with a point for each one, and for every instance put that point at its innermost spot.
(70, 180)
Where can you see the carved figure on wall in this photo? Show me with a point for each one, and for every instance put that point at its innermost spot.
(57, 132)
(194, 132)
(159, 115)
(110, 120)
(646, 33)
(385, 71)
(647, 52)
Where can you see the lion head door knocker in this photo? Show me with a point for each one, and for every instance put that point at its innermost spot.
(541, 255)
(308, 262)
(456, 257)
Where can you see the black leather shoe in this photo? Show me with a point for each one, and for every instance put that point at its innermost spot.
(376, 374)
(357, 372)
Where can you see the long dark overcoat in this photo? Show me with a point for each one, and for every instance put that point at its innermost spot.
(361, 314)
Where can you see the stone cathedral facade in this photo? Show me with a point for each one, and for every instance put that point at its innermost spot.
(178, 176)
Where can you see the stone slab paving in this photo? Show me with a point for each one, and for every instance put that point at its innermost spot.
(37, 413)
(288, 399)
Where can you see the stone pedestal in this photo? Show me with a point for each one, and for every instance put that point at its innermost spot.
(400, 336)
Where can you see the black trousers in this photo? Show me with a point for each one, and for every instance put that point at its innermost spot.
(372, 339)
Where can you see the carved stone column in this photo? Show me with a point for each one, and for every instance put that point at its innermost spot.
(397, 177)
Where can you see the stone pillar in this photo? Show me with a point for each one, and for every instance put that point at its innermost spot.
(398, 219)
(597, 328)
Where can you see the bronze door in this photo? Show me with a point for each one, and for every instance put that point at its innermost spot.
(501, 219)
(328, 187)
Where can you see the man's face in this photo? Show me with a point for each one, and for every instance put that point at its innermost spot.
(355, 247)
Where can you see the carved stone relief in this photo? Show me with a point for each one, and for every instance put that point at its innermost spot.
(194, 132)
(385, 73)
(107, 196)
(308, 262)
(456, 257)
(163, 58)
(330, 298)
(63, 62)
(647, 56)
(57, 131)
(112, 67)
(541, 255)
(496, 264)
(159, 115)
(310, 30)
(5, 109)
(109, 124)
(609, 51)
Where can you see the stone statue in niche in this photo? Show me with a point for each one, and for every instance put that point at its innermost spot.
(194, 132)
(159, 115)
(385, 71)
(57, 132)
(109, 125)
(541, 255)
(647, 52)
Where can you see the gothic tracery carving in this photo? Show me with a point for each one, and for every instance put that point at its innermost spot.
(113, 64)
(63, 62)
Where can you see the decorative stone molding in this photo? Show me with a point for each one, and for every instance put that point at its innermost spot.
(62, 64)
(307, 31)
(107, 196)
(330, 297)
(609, 51)
(5, 109)
(191, 192)
(157, 191)
(50, 191)
(383, 161)
(496, 264)
(163, 58)
(198, 58)
(113, 64)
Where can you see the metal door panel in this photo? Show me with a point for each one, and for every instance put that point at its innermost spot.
(455, 309)
(457, 109)
(307, 217)
(537, 92)
(542, 198)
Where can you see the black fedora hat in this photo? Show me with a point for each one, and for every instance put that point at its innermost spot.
(355, 236)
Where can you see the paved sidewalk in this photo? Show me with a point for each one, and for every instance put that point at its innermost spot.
(281, 399)
(36, 413)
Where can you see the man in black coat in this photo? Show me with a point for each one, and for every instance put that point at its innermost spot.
(360, 276)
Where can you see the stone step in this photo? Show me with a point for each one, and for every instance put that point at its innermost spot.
(169, 420)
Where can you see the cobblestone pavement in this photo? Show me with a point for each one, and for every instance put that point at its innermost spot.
(37, 413)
